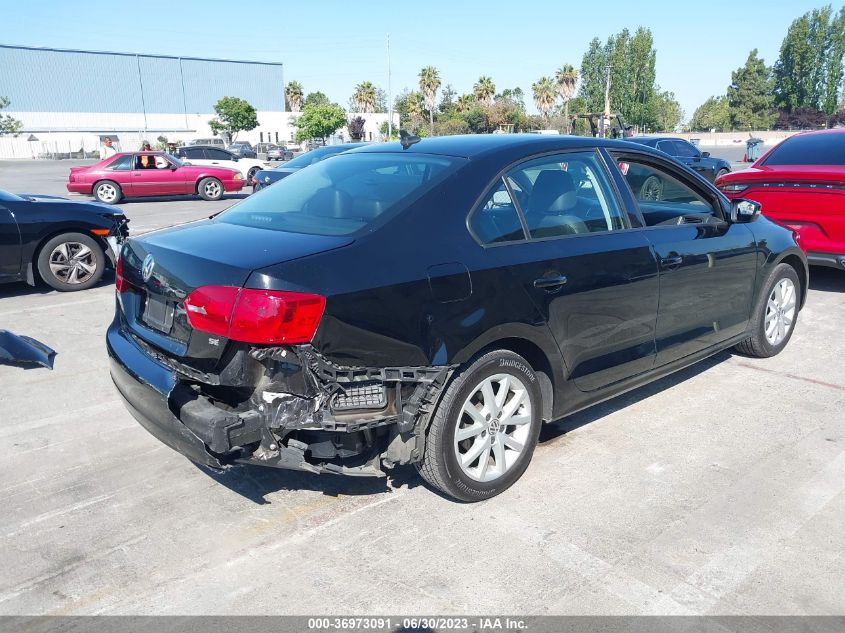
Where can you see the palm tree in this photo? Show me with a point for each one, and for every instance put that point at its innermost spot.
(365, 96)
(429, 85)
(545, 95)
(465, 103)
(294, 95)
(484, 89)
(567, 79)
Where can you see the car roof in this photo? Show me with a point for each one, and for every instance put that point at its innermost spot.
(203, 146)
(478, 145)
(838, 130)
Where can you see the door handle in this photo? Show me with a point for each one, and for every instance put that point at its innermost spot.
(550, 282)
(671, 261)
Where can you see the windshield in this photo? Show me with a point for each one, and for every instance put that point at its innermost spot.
(315, 156)
(809, 149)
(5, 196)
(344, 195)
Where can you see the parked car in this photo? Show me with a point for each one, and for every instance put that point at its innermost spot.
(801, 184)
(267, 177)
(688, 154)
(214, 140)
(67, 244)
(151, 174)
(217, 157)
(433, 302)
(279, 153)
(243, 150)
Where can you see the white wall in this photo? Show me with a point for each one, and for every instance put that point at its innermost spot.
(66, 132)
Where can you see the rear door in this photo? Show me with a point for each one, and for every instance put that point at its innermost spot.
(10, 243)
(707, 265)
(576, 253)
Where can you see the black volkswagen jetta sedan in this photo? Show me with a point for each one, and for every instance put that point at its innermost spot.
(434, 302)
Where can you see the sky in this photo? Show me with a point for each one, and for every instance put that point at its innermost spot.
(330, 46)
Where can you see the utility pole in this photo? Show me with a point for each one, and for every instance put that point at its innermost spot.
(389, 94)
(606, 117)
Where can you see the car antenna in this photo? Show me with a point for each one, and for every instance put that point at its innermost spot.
(408, 139)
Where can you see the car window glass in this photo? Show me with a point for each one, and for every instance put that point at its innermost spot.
(566, 195)
(497, 220)
(161, 162)
(343, 195)
(122, 163)
(809, 149)
(145, 161)
(682, 148)
(667, 147)
(218, 154)
(194, 153)
(662, 198)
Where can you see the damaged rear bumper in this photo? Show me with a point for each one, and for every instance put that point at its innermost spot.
(293, 410)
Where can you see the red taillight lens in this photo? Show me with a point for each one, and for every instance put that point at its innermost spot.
(255, 316)
(120, 284)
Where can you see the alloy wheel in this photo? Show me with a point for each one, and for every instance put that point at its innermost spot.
(212, 189)
(780, 311)
(493, 427)
(107, 192)
(73, 263)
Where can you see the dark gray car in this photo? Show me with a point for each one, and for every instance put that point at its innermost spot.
(687, 154)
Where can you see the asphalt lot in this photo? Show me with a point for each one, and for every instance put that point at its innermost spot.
(719, 490)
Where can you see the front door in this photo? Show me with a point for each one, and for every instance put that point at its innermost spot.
(707, 265)
(588, 272)
(10, 244)
(154, 175)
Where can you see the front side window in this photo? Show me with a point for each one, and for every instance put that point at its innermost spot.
(497, 220)
(566, 194)
(682, 148)
(667, 147)
(663, 199)
(121, 163)
(218, 154)
(344, 195)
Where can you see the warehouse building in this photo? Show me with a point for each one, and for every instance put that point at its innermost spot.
(68, 100)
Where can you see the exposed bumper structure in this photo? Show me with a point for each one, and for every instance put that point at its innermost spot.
(285, 407)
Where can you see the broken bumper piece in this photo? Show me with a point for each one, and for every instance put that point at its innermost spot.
(23, 350)
(281, 407)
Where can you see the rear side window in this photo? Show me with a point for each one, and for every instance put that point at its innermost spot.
(809, 149)
(218, 154)
(344, 195)
(496, 220)
(122, 163)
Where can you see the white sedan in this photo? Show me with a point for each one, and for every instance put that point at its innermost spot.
(219, 157)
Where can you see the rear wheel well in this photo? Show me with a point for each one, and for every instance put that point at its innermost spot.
(798, 265)
(539, 362)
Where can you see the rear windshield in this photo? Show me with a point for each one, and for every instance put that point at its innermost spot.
(343, 195)
(315, 156)
(809, 149)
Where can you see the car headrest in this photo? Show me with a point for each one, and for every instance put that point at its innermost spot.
(553, 192)
(330, 203)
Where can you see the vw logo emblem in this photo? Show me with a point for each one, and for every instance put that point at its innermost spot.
(147, 268)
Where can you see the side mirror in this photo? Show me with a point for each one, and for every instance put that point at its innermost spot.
(743, 211)
(705, 154)
(235, 158)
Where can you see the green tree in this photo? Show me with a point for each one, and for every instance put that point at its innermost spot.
(447, 100)
(429, 85)
(833, 65)
(233, 115)
(465, 103)
(750, 95)
(513, 94)
(484, 89)
(316, 98)
(319, 121)
(566, 78)
(364, 97)
(293, 96)
(8, 124)
(593, 78)
(713, 114)
(545, 95)
(665, 111)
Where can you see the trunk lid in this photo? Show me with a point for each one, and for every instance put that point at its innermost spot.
(181, 259)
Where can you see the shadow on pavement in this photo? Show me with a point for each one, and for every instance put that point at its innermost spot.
(23, 289)
(827, 279)
(180, 198)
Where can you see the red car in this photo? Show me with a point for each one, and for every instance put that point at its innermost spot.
(801, 184)
(151, 174)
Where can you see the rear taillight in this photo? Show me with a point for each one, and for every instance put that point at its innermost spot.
(733, 188)
(120, 283)
(255, 316)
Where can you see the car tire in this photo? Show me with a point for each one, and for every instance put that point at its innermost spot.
(71, 261)
(774, 317)
(210, 189)
(652, 189)
(461, 467)
(108, 192)
(720, 173)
